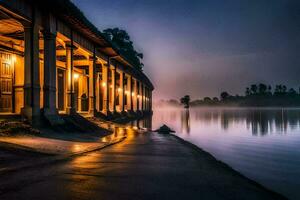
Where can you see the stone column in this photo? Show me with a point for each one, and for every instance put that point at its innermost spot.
(135, 95)
(141, 96)
(113, 89)
(146, 97)
(150, 100)
(97, 92)
(91, 88)
(95, 78)
(106, 89)
(121, 93)
(127, 91)
(142, 86)
(130, 93)
(70, 79)
(50, 112)
(31, 109)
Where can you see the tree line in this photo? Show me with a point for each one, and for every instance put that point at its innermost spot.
(256, 95)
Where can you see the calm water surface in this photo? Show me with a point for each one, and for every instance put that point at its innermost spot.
(263, 144)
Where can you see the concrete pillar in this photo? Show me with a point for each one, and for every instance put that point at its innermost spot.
(95, 78)
(97, 92)
(130, 93)
(50, 110)
(143, 97)
(147, 101)
(150, 100)
(122, 92)
(114, 89)
(92, 65)
(140, 96)
(49, 71)
(31, 109)
(70, 78)
(135, 95)
(106, 88)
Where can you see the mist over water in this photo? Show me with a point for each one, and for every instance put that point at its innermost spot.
(261, 143)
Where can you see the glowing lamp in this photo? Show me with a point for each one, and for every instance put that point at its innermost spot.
(13, 59)
(119, 89)
(103, 84)
(76, 76)
(132, 93)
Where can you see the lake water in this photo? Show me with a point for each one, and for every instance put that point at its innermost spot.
(262, 144)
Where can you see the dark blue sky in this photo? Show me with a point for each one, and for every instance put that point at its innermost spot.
(202, 47)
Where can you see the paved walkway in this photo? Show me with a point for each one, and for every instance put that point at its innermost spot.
(143, 166)
(56, 146)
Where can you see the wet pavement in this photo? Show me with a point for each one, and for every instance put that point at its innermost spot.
(143, 166)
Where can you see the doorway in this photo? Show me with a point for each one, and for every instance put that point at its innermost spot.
(6, 82)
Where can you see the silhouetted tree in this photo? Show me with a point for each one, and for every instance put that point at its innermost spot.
(270, 89)
(254, 88)
(224, 95)
(255, 95)
(248, 92)
(292, 92)
(278, 89)
(206, 99)
(121, 39)
(185, 101)
(215, 99)
(262, 88)
(284, 88)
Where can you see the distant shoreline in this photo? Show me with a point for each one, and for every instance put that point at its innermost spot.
(228, 106)
(234, 106)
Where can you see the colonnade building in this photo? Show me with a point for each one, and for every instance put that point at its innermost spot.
(54, 61)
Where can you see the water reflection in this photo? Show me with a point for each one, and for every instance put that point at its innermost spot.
(260, 122)
(144, 123)
(262, 144)
(185, 121)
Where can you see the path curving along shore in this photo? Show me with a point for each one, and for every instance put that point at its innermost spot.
(143, 166)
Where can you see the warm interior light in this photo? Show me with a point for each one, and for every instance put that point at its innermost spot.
(13, 59)
(138, 96)
(119, 89)
(111, 86)
(132, 93)
(76, 76)
(126, 92)
(103, 84)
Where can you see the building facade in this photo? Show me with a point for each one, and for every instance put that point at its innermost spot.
(54, 61)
